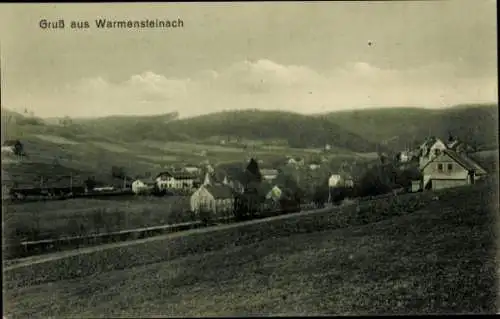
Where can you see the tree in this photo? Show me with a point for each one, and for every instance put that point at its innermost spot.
(90, 183)
(405, 177)
(251, 177)
(376, 181)
(66, 121)
(253, 169)
(320, 195)
(118, 172)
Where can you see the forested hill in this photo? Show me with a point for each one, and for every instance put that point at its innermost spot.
(358, 131)
(474, 124)
(300, 131)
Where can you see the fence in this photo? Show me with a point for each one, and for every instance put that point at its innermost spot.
(30, 248)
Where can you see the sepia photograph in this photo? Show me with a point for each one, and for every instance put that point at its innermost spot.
(211, 159)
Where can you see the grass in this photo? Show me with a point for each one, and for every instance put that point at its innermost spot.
(56, 139)
(53, 219)
(437, 258)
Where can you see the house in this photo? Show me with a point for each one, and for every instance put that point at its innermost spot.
(274, 193)
(216, 199)
(430, 149)
(294, 161)
(234, 184)
(340, 180)
(404, 156)
(192, 169)
(12, 147)
(314, 166)
(175, 180)
(450, 169)
(269, 174)
(142, 186)
(415, 186)
(334, 180)
(459, 146)
(348, 181)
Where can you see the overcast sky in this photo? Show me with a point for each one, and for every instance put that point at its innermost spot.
(303, 57)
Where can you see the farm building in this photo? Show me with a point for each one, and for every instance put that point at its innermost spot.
(450, 169)
(217, 199)
(269, 174)
(175, 180)
(142, 186)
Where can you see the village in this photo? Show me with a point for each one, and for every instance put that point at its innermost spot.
(214, 189)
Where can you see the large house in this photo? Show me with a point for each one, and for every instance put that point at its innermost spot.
(175, 180)
(449, 169)
(216, 199)
(430, 149)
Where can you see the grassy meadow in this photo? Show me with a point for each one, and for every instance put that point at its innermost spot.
(54, 219)
(413, 254)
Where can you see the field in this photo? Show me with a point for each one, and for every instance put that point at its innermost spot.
(410, 254)
(53, 219)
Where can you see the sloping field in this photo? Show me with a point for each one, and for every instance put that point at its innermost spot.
(438, 259)
(82, 216)
(56, 139)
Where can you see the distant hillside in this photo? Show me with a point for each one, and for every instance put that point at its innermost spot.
(474, 124)
(300, 131)
(355, 131)
(358, 131)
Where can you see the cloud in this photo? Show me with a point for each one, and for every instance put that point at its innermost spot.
(266, 84)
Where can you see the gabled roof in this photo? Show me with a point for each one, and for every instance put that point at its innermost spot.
(177, 175)
(429, 141)
(462, 160)
(220, 191)
(268, 171)
(477, 168)
(146, 181)
(163, 173)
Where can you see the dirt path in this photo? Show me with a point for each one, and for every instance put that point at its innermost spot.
(28, 261)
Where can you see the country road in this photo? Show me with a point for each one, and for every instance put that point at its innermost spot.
(28, 261)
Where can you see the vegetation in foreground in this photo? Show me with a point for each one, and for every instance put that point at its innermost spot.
(439, 259)
(78, 217)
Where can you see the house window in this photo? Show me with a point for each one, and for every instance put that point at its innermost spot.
(450, 167)
(440, 167)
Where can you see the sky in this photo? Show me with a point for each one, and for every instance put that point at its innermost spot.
(291, 56)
